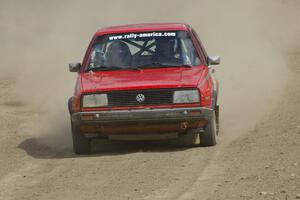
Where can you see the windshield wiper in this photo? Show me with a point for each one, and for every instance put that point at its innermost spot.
(161, 65)
(153, 64)
(134, 68)
(104, 68)
(180, 65)
(108, 68)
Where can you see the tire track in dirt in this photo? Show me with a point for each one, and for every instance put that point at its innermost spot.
(35, 138)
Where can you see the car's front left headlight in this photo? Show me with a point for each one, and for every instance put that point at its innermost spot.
(94, 100)
(186, 96)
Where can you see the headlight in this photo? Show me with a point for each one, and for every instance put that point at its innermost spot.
(186, 96)
(94, 100)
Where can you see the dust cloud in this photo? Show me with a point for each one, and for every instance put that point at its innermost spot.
(39, 38)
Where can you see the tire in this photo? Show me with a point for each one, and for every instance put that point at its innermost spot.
(189, 139)
(70, 105)
(209, 136)
(217, 110)
(217, 118)
(81, 144)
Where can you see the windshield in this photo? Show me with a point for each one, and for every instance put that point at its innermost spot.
(142, 50)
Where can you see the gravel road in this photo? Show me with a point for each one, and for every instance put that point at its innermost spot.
(258, 156)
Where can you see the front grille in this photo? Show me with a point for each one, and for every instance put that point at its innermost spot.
(151, 97)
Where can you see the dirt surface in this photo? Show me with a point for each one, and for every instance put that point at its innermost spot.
(258, 155)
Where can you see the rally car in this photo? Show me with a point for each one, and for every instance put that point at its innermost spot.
(144, 81)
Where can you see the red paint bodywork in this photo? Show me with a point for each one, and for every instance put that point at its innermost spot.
(181, 77)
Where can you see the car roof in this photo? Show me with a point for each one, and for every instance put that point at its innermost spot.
(143, 28)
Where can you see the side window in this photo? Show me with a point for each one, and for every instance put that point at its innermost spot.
(200, 43)
(189, 53)
(97, 56)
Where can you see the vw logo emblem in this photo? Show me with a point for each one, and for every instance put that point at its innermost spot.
(140, 98)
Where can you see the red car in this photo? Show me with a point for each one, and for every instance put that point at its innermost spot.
(144, 81)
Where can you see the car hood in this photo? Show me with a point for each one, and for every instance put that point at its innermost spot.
(143, 79)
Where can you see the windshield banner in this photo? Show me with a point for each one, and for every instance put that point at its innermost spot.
(142, 35)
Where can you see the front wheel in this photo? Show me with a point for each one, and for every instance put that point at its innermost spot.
(209, 136)
(81, 144)
(217, 111)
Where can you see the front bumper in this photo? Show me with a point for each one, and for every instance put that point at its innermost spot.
(141, 122)
(145, 115)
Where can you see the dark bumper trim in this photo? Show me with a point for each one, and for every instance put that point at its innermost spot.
(144, 115)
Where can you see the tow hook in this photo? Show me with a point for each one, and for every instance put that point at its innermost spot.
(184, 125)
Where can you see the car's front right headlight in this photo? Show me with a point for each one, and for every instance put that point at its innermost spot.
(94, 100)
(186, 96)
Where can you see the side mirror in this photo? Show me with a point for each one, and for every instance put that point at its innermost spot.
(213, 60)
(74, 67)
